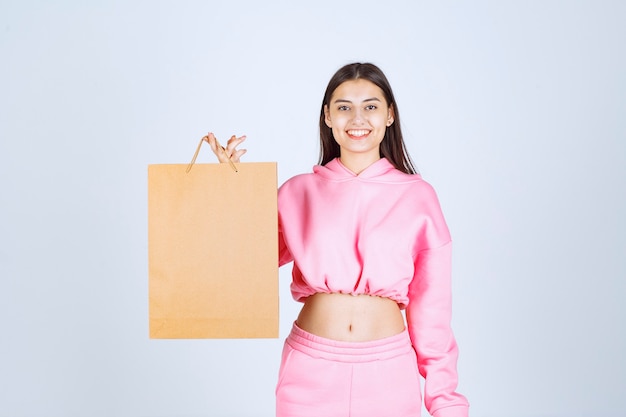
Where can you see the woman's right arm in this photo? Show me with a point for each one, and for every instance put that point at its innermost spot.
(231, 151)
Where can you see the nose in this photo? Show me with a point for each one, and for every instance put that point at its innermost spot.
(358, 117)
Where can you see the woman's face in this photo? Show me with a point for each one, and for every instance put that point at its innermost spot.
(358, 115)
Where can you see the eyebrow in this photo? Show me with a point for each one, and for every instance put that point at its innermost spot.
(343, 100)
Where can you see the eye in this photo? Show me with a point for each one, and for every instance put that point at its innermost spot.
(371, 107)
(343, 108)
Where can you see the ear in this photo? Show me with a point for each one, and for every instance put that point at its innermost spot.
(390, 116)
(327, 116)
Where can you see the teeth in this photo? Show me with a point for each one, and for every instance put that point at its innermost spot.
(358, 132)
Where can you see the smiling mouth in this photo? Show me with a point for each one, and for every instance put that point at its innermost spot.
(358, 133)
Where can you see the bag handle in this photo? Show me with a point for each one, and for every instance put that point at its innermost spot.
(195, 155)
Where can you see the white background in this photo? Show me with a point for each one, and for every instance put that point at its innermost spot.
(513, 110)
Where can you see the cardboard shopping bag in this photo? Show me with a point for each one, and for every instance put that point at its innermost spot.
(212, 249)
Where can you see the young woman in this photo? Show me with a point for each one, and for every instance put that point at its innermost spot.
(367, 239)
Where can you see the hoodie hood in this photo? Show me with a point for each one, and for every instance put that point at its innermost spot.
(380, 171)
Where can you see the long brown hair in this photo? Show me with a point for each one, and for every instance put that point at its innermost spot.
(392, 147)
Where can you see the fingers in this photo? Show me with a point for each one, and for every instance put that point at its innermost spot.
(229, 151)
(238, 154)
(212, 141)
(231, 147)
(217, 150)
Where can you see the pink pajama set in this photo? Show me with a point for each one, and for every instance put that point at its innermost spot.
(381, 233)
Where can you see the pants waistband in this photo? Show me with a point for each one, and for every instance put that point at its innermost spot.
(337, 350)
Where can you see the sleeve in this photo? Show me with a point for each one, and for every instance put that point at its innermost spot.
(428, 319)
(284, 256)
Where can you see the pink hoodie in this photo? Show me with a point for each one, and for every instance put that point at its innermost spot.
(379, 233)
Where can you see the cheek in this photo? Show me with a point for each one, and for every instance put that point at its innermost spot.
(338, 119)
(381, 120)
(336, 132)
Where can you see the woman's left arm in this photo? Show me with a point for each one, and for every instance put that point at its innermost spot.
(429, 311)
(428, 317)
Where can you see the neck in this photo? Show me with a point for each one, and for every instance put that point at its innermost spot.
(357, 164)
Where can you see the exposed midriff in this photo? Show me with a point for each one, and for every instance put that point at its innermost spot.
(353, 318)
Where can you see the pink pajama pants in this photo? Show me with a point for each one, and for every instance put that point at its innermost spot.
(320, 377)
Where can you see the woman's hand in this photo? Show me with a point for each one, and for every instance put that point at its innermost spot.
(229, 151)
